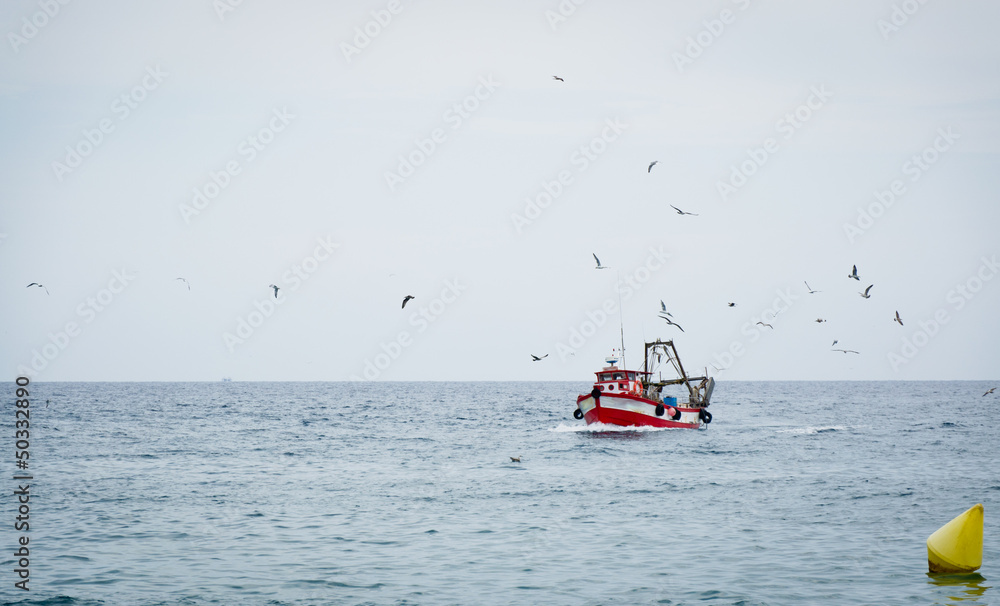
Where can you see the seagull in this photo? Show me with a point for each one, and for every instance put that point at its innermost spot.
(731, 304)
(671, 322)
(854, 274)
(897, 319)
(820, 320)
(992, 389)
(835, 341)
(599, 266)
(811, 291)
(717, 368)
(184, 281)
(664, 307)
(535, 358)
(766, 324)
(276, 289)
(558, 78)
(406, 299)
(515, 459)
(683, 212)
(846, 351)
(39, 286)
(651, 165)
(865, 294)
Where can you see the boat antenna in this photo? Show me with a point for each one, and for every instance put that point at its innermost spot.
(621, 316)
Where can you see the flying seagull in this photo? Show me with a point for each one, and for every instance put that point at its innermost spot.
(651, 165)
(811, 291)
(846, 351)
(671, 322)
(897, 319)
(683, 212)
(731, 304)
(766, 324)
(865, 294)
(39, 286)
(406, 300)
(835, 341)
(276, 289)
(558, 78)
(535, 358)
(184, 281)
(992, 389)
(854, 274)
(820, 320)
(599, 266)
(663, 306)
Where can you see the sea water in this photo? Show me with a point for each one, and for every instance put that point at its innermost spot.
(405, 493)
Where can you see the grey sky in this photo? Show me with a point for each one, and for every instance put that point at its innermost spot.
(260, 109)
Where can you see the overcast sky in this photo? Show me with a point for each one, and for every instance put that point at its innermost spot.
(352, 153)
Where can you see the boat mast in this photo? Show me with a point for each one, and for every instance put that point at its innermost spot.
(621, 317)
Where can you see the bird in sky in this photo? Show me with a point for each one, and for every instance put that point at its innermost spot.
(406, 299)
(766, 324)
(651, 165)
(811, 291)
(671, 322)
(558, 78)
(835, 341)
(535, 358)
(663, 306)
(820, 320)
(599, 266)
(731, 304)
(854, 274)
(846, 351)
(276, 289)
(991, 390)
(185, 281)
(865, 294)
(39, 286)
(683, 212)
(897, 319)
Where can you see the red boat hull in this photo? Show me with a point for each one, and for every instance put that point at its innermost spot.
(629, 410)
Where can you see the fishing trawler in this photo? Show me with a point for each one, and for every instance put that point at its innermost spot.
(637, 398)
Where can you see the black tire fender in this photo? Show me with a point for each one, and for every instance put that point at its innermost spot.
(659, 410)
(676, 415)
(595, 393)
(705, 416)
(577, 414)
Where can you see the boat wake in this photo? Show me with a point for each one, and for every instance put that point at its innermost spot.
(605, 427)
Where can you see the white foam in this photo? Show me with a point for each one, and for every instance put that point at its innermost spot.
(604, 427)
(809, 430)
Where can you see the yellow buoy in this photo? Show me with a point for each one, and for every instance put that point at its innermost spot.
(958, 545)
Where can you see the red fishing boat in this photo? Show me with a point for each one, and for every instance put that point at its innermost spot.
(637, 397)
